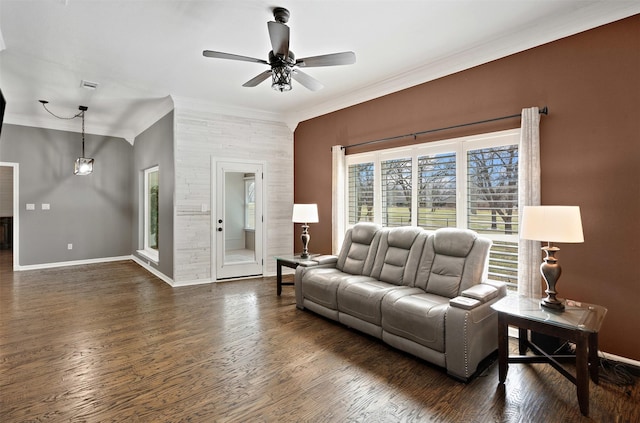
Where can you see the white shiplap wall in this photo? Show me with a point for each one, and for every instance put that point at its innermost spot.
(202, 137)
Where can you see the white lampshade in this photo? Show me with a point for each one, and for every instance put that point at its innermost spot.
(305, 213)
(551, 224)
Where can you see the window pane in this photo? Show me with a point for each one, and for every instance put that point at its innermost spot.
(503, 262)
(360, 193)
(152, 186)
(437, 191)
(396, 192)
(493, 190)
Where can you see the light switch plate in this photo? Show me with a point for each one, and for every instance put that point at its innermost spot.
(31, 206)
(46, 206)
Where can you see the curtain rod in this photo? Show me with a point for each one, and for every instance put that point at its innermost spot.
(543, 111)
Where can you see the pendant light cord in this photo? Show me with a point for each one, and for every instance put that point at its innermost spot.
(82, 114)
(44, 104)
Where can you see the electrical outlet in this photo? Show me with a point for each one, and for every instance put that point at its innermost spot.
(69, 246)
(46, 206)
(31, 206)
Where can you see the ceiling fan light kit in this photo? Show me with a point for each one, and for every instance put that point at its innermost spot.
(282, 61)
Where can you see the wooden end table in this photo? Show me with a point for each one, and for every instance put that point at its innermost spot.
(291, 261)
(578, 323)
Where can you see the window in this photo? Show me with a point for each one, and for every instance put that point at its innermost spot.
(437, 191)
(397, 180)
(469, 182)
(151, 213)
(360, 192)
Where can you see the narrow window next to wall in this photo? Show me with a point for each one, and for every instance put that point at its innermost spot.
(151, 214)
(492, 205)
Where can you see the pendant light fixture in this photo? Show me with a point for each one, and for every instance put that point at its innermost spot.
(83, 165)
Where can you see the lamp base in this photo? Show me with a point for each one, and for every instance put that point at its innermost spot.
(551, 272)
(552, 304)
(305, 237)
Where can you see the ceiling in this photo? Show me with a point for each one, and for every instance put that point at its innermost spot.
(146, 56)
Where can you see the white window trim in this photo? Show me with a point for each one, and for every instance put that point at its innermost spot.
(146, 251)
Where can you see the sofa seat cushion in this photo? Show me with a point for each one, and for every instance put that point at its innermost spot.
(417, 316)
(362, 299)
(321, 285)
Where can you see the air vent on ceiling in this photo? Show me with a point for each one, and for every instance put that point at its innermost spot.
(88, 85)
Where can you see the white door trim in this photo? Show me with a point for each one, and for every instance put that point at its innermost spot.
(214, 207)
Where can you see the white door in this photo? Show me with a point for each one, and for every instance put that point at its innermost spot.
(237, 220)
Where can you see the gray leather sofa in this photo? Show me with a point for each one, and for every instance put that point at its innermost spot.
(423, 292)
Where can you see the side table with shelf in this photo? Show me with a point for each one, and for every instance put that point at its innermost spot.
(291, 261)
(579, 323)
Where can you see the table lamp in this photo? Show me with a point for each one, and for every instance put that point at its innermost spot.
(551, 224)
(305, 213)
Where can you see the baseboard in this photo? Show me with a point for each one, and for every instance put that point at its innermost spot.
(71, 263)
(155, 272)
(624, 360)
(191, 283)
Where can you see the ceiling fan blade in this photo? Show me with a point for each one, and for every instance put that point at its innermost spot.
(258, 79)
(344, 58)
(306, 80)
(220, 55)
(279, 34)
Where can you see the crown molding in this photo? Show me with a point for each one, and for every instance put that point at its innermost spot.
(66, 125)
(535, 34)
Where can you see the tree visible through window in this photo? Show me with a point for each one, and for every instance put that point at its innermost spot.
(360, 193)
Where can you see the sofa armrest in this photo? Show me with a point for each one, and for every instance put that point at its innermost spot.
(308, 263)
(471, 329)
(464, 303)
(299, 274)
(325, 259)
(482, 292)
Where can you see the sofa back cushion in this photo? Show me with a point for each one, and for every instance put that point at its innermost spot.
(452, 261)
(398, 255)
(359, 248)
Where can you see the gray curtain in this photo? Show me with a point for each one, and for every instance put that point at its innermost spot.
(529, 255)
(338, 210)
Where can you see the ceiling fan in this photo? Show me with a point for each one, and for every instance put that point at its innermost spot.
(282, 62)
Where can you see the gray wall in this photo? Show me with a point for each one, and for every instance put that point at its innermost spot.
(155, 147)
(6, 191)
(94, 212)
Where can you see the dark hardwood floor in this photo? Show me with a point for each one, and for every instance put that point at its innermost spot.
(110, 342)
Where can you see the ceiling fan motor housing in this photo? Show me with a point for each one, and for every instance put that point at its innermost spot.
(281, 14)
(278, 60)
